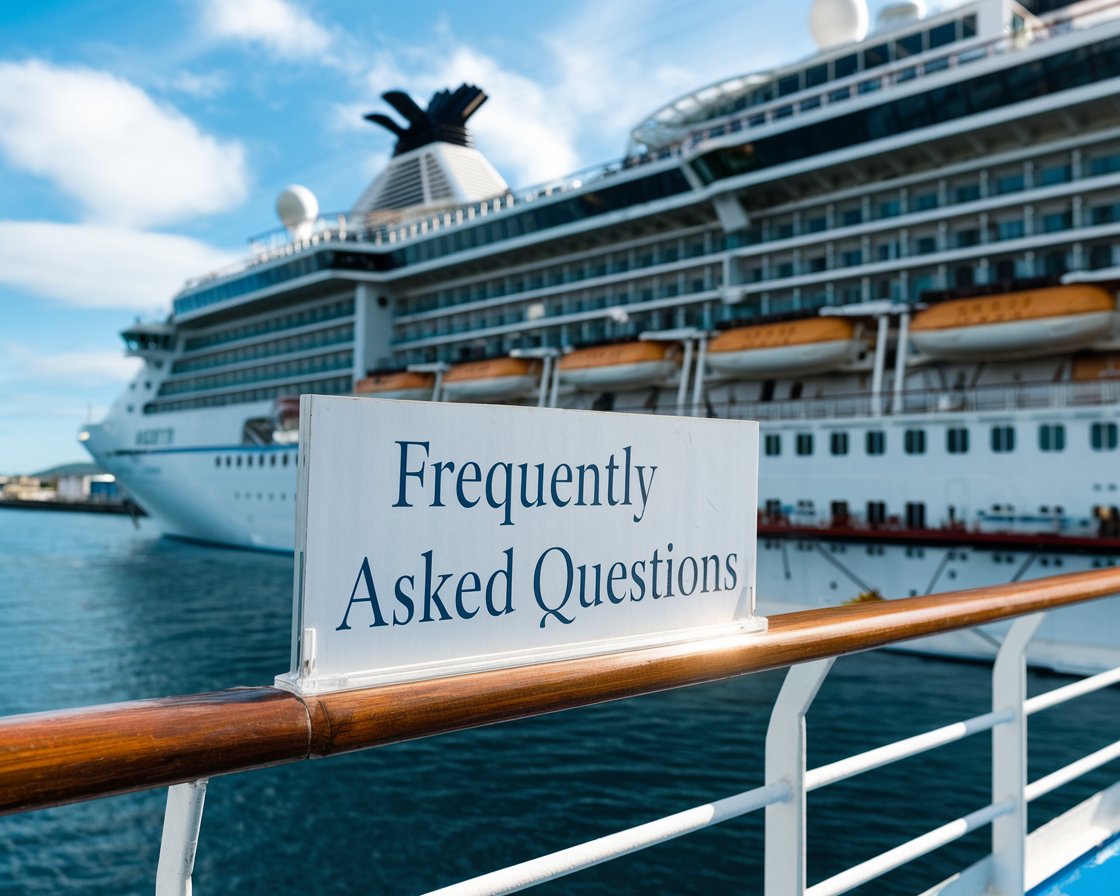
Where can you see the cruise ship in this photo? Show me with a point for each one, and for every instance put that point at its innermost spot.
(900, 255)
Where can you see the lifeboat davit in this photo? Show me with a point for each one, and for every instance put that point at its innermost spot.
(623, 366)
(401, 384)
(790, 348)
(1023, 324)
(498, 379)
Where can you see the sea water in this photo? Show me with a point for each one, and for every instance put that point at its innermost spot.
(94, 610)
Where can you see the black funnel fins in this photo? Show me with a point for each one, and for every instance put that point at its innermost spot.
(444, 120)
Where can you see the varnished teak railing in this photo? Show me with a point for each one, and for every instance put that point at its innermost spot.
(52, 758)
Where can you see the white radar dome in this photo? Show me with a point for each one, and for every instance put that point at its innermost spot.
(836, 22)
(296, 206)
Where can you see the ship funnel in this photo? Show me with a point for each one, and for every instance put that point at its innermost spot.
(297, 208)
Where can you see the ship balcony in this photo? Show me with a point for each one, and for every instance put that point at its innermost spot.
(979, 399)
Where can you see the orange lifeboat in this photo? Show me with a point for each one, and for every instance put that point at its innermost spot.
(1022, 324)
(498, 379)
(627, 365)
(406, 384)
(790, 348)
(1095, 367)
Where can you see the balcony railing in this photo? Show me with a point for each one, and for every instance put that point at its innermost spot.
(53, 758)
(1010, 397)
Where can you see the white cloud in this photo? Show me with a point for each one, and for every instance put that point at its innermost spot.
(280, 27)
(101, 266)
(199, 86)
(91, 368)
(107, 144)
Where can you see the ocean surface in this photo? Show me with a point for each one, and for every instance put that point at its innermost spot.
(94, 610)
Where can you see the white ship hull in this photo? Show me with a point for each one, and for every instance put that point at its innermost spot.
(244, 496)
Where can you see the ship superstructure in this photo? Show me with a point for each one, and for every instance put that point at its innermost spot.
(901, 255)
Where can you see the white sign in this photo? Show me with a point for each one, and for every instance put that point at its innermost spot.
(436, 538)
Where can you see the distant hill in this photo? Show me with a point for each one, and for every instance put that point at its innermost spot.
(74, 469)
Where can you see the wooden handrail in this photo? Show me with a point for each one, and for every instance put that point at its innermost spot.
(52, 758)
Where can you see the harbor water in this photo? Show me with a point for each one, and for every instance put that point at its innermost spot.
(97, 610)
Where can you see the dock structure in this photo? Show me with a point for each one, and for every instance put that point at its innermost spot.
(52, 758)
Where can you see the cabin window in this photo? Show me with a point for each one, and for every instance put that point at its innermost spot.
(1055, 174)
(804, 444)
(889, 208)
(773, 507)
(1103, 437)
(876, 513)
(924, 202)
(772, 443)
(914, 441)
(968, 192)
(789, 84)
(1010, 183)
(876, 441)
(915, 515)
(1056, 221)
(1003, 439)
(845, 65)
(838, 443)
(1100, 257)
(876, 56)
(942, 35)
(1052, 437)
(956, 440)
(911, 45)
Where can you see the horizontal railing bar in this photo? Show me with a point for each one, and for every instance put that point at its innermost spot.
(842, 769)
(612, 846)
(860, 874)
(1062, 776)
(1070, 691)
(52, 758)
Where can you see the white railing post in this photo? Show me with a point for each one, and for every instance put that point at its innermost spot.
(181, 822)
(1009, 758)
(785, 764)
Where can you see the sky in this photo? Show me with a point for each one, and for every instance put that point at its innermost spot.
(143, 143)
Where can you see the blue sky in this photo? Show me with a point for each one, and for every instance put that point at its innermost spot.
(143, 143)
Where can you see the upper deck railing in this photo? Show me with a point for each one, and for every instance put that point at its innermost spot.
(979, 399)
(58, 757)
(343, 227)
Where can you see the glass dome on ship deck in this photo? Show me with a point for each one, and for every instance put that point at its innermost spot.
(835, 72)
(680, 117)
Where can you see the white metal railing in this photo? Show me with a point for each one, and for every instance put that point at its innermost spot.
(787, 782)
(1012, 397)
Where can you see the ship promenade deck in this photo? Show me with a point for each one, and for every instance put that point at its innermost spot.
(181, 742)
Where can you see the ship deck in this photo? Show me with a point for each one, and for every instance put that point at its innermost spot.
(1094, 874)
